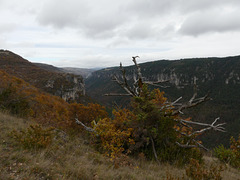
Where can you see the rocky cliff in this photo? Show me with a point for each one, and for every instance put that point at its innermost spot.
(68, 86)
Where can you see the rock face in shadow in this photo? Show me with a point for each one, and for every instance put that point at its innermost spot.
(68, 86)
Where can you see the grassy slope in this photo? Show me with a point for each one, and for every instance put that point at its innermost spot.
(72, 158)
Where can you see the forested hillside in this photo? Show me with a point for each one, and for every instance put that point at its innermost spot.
(219, 76)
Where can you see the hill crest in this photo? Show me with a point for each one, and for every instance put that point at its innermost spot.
(67, 86)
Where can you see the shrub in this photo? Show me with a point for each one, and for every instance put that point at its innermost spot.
(198, 171)
(156, 126)
(34, 137)
(115, 134)
(235, 147)
(13, 102)
(223, 154)
(87, 114)
(231, 155)
(148, 127)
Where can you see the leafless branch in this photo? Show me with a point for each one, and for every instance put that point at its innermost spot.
(174, 102)
(136, 88)
(124, 86)
(85, 127)
(125, 80)
(200, 145)
(154, 151)
(116, 94)
(156, 83)
(217, 127)
(194, 143)
(189, 144)
(140, 78)
(191, 103)
(186, 145)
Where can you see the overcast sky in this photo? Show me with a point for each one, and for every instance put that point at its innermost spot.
(101, 33)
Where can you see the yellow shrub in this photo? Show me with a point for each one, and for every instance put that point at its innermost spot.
(115, 134)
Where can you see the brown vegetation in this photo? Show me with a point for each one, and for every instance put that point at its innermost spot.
(70, 157)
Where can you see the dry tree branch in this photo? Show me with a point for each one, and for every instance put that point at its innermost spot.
(124, 85)
(191, 103)
(136, 88)
(156, 83)
(217, 127)
(186, 145)
(154, 150)
(174, 102)
(89, 129)
(140, 78)
(116, 94)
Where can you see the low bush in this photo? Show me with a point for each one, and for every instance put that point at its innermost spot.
(198, 171)
(231, 155)
(223, 154)
(13, 102)
(34, 137)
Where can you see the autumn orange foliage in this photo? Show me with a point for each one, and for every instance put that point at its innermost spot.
(48, 109)
(115, 133)
(87, 114)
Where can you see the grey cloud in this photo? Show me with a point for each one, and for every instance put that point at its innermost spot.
(93, 20)
(142, 19)
(63, 13)
(102, 25)
(105, 19)
(201, 23)
(141, 31)
(119, 42)
(160, 8)
(188, 6)
(147, 30)
(150, 8)
(7, 27)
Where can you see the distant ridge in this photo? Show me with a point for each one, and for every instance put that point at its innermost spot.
(49, 67)
(84, 72)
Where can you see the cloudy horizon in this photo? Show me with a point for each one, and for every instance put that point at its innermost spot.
(101, 33)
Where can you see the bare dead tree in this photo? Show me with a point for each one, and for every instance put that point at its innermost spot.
(136, 88)
(176, 106)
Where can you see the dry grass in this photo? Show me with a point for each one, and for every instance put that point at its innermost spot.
(228, 173)
(70, 157)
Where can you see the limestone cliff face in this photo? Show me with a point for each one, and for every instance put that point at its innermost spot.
(68, 86)
(211, 74)
(72, 89)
